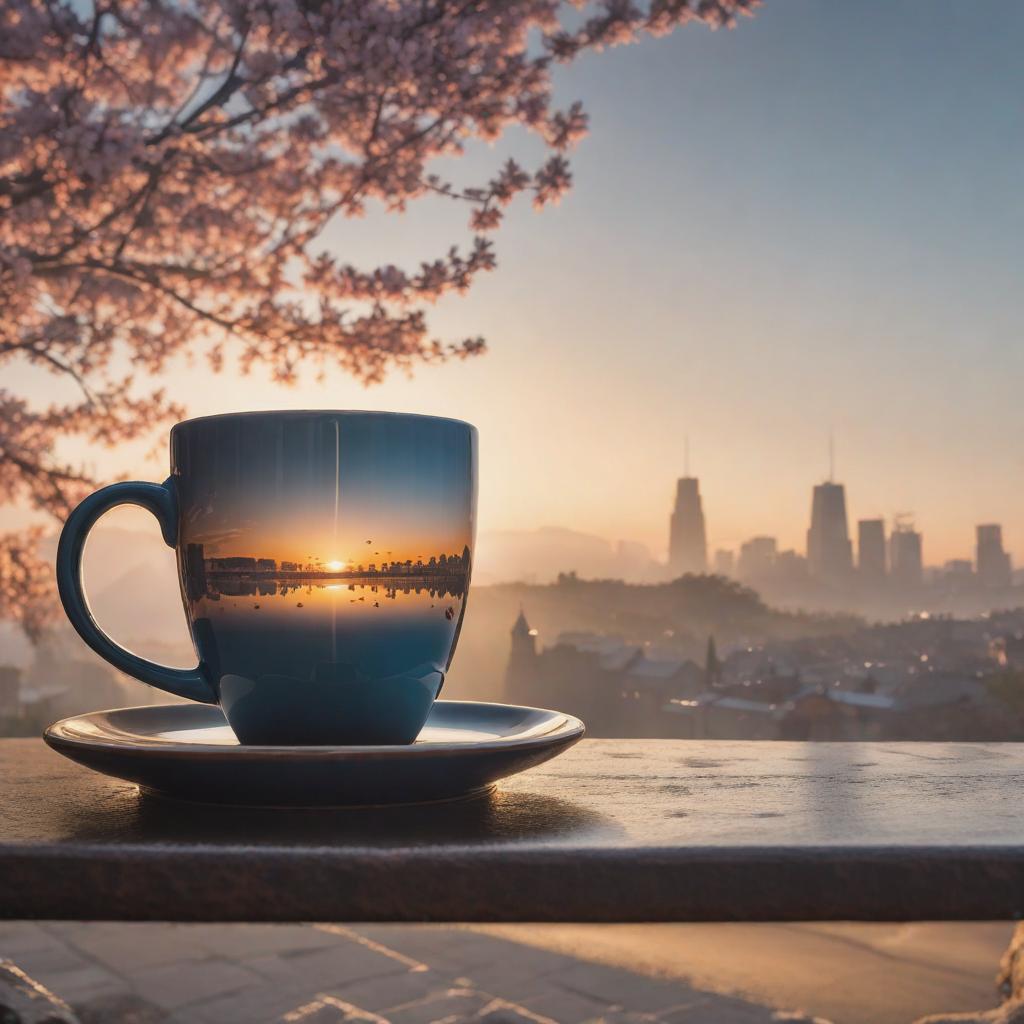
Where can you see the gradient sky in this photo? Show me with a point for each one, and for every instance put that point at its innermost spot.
(812, 223)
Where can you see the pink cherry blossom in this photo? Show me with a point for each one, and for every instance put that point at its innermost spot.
(167, 171)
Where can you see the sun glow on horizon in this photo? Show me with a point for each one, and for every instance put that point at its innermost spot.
(335, 565)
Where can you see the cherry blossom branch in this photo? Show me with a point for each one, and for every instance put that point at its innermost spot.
(168, 172)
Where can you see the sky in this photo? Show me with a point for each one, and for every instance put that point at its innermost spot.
(812, 224)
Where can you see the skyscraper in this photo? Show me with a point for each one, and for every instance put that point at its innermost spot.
(829, 552)
(871, 549)
(905, 556)
(994, 568)
(687, 543)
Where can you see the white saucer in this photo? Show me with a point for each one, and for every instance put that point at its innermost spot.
(187, 751)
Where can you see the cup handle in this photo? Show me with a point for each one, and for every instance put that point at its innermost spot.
(161, 500)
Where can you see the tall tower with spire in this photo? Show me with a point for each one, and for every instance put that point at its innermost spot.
(829, 551)
(687, 540)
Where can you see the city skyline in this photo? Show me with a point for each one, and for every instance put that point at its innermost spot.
(507, 555)
(208, 576)
(371, 561)
(829, 554)
(199, 562)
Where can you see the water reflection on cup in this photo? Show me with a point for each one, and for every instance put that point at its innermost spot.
(325, 560)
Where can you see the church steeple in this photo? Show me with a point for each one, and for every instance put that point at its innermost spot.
(521, 628)
(520, 676)
(524, 639)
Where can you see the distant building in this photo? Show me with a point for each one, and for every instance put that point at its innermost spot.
(725, 562)
(790, 566)
(905, 556)
(522, 660)
(616, 687)
(994, 568)
(687, 544)
(266, 565)
(927, 678)
(958, 570)
(233, 563)
(829, 552)
(822, 713)
(871, 549)
(195, 571)
(195, 559)
(757, 558)
(290, 567)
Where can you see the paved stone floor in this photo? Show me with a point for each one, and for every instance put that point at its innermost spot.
(325, 974)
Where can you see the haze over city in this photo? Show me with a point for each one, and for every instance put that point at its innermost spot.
(816, 226)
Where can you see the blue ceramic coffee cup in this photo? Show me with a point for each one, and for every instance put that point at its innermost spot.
(324, 560)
